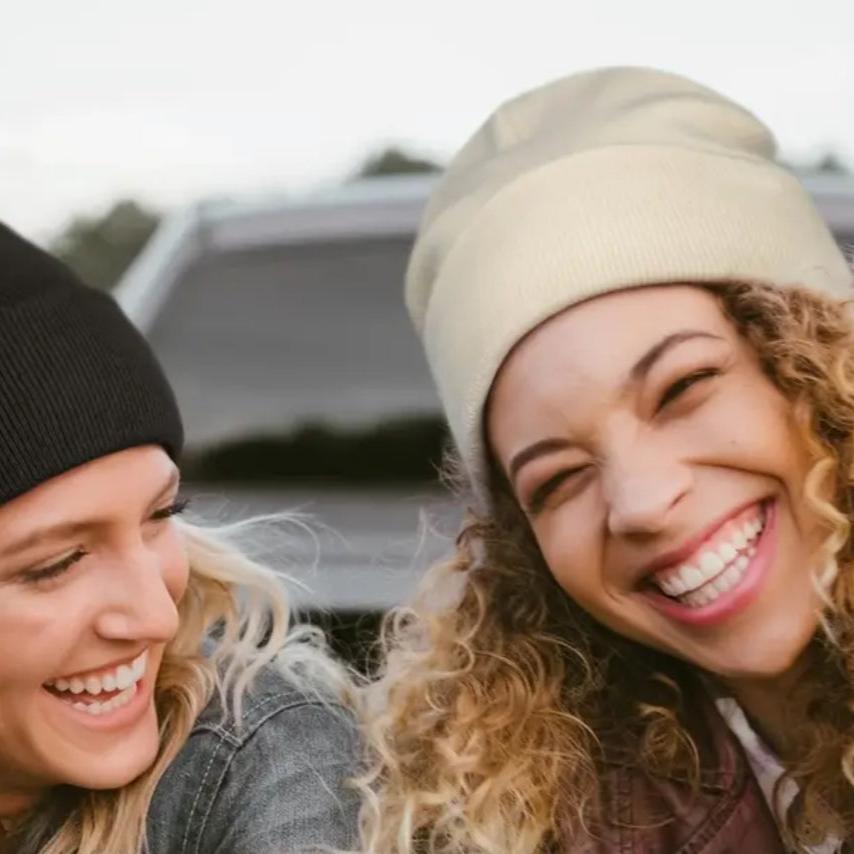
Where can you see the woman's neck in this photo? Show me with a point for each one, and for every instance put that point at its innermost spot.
(776, 706)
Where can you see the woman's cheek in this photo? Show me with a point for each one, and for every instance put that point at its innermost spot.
(566, 552)
(176, 563)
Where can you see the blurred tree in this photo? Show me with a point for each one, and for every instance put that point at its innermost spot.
(100, 249)
(395, 161)
(402, 450)
(831, 163)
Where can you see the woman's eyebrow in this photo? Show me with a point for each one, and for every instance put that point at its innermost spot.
(54, 532)
(643, 365)
(537, 449)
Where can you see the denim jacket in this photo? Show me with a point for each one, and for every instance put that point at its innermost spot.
(277, 783)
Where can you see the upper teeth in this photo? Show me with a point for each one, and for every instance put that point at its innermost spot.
(711, 561)
(117, 679)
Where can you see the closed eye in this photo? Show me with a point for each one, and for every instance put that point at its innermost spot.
(542, 493)
(54, 570)
(174, 509)
(682, 385)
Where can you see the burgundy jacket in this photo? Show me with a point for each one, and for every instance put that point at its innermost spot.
(663, 815)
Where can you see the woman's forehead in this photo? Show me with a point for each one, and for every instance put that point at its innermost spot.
(617, 327)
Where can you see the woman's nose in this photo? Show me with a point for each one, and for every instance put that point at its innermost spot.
(642, 496)
(140, 606)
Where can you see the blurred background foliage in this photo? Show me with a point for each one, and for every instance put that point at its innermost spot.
(400, 451)
(395, 161)
(101, 248)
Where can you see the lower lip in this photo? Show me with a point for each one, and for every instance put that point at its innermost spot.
(737, 598)
(119, 718)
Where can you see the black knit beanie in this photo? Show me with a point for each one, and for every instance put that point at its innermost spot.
(77, 380)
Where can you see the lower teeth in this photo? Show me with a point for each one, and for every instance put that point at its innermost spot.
(95, 709)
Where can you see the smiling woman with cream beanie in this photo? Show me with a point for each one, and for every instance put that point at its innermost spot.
(644, 641)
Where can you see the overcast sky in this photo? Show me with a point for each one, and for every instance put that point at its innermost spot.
(172, 100)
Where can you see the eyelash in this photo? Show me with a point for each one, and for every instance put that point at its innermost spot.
(542, 493)
(33, 576)
(172, 510)
(682, 385)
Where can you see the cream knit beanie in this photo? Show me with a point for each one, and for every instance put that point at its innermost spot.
(602, 180)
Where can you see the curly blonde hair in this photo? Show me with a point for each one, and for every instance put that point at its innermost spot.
(489, 721)
(234, 619)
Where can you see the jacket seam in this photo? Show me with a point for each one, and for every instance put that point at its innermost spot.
(237, 734)
(205, 814)
(229, 761)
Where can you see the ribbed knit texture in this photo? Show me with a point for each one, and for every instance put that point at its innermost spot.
(610, 179)
(77, 380)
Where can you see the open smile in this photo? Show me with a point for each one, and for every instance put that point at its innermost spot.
(101, 695)
(722, 575)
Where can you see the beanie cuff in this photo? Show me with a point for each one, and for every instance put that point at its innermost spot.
(77, 380)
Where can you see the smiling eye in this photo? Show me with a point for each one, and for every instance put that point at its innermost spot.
(682, 385)
(542, 493)
(172, 510)
(54, 570)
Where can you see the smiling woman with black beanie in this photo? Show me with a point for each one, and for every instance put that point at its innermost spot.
(152, 695)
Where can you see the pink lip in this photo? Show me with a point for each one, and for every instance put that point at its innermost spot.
(680, 555)
(120, 718)
(737, 598)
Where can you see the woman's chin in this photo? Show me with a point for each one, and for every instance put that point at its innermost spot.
(759, 662)
(114, 774)
(116, 765)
